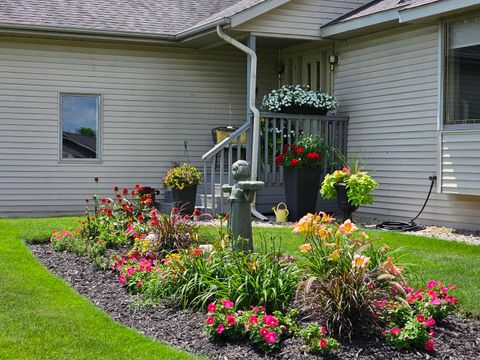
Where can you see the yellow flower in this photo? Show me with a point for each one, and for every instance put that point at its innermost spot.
(334, 255)
(305, 248)
(391, 268)
(323, 232)
(347, 228)
(360, 262)
(326, 218)
(307, 224)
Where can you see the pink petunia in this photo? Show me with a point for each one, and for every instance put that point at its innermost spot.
(395, 331)
(228, 304)
(253, 320)
(271, 337)
(323, 343)
(220, 329)
(130, 271)
(263, 331)
(231, 319)
(451, 300)
(430, 322)
(421, 318)
(122, 279)
(436, 301)
(211, 308)
(431, 284)
(210, 320)
(271, 321)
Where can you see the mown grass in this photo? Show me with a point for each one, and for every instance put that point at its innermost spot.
(42, 318)
(426, 258)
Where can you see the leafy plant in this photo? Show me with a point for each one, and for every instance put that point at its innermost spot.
(183, 176)
(317, 341)
(308, 150)
(360, 186)
(263, 330)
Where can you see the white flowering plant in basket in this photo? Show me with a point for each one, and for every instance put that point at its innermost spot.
(291, 98)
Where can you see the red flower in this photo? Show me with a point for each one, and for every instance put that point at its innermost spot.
(227, 304)
(313, 156)
(95, 179)
(430, 322)
(429, 344)
(140, 218)
(175, 210)
(271, 321)
(138, 187)
(231, 319)
(324, 331)
(133, 193)
(263, 331)
(125, 191)
(196, 212)
(323, 343)
(299, 150)
(294, 162)
(346, 170)
(253, 320)
(421, 318)
(197, 252)
(210, 320)
(115, 188)
(279, 159)
(108, 212)
(220, 329)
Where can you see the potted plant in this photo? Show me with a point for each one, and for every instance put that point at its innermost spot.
(351, 187)
(301, 173)
(298, 99)
(183, 181)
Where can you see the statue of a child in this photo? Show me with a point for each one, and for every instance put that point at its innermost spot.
(241, 196)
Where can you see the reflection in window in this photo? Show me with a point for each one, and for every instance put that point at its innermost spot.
(463, 73)
(79, 117)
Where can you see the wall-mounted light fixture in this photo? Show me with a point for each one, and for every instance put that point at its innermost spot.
(333, 60)
(280, 68)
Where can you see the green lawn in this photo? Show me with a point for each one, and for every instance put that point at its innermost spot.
(42, 318)
(427, 258)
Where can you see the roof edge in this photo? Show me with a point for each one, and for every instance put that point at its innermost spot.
(359, 23)
(397, 15)
(255, 11)
(434, 9)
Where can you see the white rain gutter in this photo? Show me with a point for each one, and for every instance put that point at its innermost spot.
(251, 103)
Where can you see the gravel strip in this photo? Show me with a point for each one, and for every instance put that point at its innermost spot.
(457, 338)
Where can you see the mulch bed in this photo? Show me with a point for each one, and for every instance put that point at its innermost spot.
(456, 338)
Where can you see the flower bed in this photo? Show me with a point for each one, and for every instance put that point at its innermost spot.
(342, 283)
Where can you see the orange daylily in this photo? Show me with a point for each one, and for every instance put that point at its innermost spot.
(347, 228)
(360, 261)
(391, 268)
(305, 248)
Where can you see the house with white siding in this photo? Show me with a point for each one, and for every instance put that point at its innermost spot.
(121, 90)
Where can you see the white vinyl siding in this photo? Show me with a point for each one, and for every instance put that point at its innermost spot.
(300, 18)
(153, 100)
(388, 85)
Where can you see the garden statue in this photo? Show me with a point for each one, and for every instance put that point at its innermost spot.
(241, 196)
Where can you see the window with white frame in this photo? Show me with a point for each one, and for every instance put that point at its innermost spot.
(462, 97)
(79, 124)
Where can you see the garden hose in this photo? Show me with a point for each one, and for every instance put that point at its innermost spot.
(411, 225)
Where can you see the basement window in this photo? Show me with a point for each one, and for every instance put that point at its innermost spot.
(462, 98)
(80, 125)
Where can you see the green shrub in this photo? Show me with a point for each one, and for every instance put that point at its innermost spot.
(317, 341)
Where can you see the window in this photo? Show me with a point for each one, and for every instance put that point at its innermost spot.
(79, 123)
(462, 100)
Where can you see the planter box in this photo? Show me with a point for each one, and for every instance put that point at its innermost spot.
(302, 187)
(185, 199)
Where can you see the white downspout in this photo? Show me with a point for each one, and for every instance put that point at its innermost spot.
(251, 103)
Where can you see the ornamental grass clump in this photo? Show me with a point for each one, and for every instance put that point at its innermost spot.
(297, 96)
(344, 274)
(182, 177)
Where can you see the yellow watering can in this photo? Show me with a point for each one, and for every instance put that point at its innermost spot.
(281, 212)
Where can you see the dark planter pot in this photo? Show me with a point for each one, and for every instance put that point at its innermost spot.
(343, 203)
(304, 110)
(301, 191)
(185, 199)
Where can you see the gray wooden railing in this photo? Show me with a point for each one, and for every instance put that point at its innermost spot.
(276, 130)
(279, 129)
